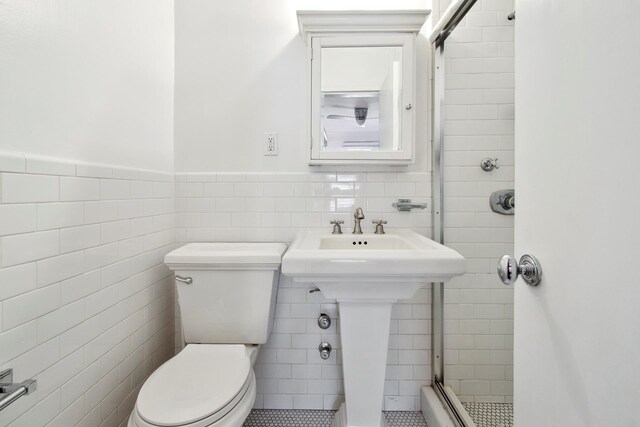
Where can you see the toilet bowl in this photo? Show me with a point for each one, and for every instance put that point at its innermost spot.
(203, 385)
(227, 311)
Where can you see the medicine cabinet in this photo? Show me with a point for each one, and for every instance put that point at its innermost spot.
(361, 85)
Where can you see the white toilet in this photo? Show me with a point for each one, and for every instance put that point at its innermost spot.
(227, 295)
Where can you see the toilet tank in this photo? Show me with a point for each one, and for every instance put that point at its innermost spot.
(232, 295)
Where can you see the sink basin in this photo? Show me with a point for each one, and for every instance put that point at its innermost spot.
(392, 265)
(366, 274)
(375, 242)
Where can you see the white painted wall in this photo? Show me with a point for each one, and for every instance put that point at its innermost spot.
(86, 302)
(240, 72)
(577, 335)
(90, 81)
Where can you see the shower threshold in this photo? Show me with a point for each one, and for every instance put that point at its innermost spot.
(442, 408)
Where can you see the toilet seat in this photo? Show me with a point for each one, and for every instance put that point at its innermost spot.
(197, 387)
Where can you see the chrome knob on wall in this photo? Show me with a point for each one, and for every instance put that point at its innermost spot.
(503, 201)
(325, 350)
(508, 202)
(488, 164)
(529, 268)
(324, 321)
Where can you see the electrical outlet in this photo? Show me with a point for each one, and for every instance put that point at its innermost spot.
(270, 144)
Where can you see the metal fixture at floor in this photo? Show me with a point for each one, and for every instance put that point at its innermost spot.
(325, 350)
(511, 16)
(13, 391)
(503, 202)
(358, 215)
(488, 164)
(324, 321)
(405, 205)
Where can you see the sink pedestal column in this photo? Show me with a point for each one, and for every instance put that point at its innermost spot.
(364, 335)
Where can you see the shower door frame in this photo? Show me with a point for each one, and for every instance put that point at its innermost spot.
(441, 31)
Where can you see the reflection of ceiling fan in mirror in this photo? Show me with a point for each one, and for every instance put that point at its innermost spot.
(359, 114)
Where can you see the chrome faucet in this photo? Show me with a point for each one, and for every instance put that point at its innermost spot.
(357, 217)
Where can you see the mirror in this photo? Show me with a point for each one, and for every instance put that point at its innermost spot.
(360, 98)
(361, 77)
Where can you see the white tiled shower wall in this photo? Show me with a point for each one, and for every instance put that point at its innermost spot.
(479, 123)
(86, 303)
(273, 207)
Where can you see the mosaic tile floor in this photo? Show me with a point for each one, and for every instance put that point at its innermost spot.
(299, 418)
(490, 414)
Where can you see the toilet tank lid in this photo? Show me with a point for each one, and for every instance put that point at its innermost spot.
(238, 254)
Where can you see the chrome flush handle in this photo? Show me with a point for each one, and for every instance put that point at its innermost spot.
(187, 280)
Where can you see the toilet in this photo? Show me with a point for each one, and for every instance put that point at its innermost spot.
(227, 296)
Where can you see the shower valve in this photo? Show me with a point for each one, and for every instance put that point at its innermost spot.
(324, 321)
(325, 350)
(488, 164)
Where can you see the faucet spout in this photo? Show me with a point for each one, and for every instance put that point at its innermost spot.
(357, 217)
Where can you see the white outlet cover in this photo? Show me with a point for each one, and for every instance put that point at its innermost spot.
(270, 144)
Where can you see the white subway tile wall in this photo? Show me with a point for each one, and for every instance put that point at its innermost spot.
(86, 303)
(479, 123)
(274, 207)
(87, 306)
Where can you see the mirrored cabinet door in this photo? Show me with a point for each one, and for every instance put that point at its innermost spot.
(362, 99)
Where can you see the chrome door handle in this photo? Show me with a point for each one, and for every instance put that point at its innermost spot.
(187, 280)
(529, 268)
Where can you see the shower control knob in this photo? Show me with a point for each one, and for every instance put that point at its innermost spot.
(324, 321)
(529, 268)
(508, 202)
(325, 350)
(488, 164)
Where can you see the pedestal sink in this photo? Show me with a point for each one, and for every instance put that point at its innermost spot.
(366, 274)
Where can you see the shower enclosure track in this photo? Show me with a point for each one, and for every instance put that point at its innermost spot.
(445, 26)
